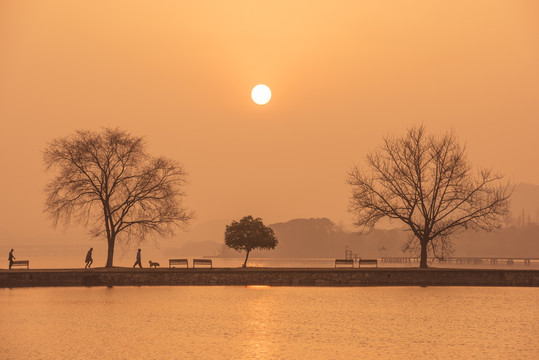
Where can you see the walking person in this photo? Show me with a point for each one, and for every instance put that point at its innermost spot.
(89, 260)
(11, 258)
(138, 262)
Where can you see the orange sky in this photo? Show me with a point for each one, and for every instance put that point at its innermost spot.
(343, 74)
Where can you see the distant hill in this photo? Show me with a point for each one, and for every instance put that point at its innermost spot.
(512, 241)
(321, 238)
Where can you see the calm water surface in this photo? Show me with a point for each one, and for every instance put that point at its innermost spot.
(269, 323)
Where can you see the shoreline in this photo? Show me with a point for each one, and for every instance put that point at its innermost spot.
(340, 277)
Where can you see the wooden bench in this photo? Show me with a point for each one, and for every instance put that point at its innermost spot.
(202, 262)
(21, 263)
(344, 262)
(178, 262)
(367, 262)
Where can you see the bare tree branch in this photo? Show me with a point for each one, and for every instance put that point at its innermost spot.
(426, 182)
(108, 179)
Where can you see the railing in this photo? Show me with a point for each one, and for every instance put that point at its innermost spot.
(463, 260)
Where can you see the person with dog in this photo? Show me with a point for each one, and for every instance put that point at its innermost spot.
(89, 260)
(11, 258)
(138, 262)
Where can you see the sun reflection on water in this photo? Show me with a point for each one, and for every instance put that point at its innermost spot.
(258, 287)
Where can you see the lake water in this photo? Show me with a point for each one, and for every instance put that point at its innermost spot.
(269, 323)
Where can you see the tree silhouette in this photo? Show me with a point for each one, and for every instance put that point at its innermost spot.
(249, 234)
(426, 182)
(107, 179)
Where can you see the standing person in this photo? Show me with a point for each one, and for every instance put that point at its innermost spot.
(11, 258)
(138, 260)
(89, 260)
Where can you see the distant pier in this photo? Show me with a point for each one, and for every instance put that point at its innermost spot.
(464, 260)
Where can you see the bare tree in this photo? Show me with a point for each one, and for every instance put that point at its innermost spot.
(108, 180)
(426, 182)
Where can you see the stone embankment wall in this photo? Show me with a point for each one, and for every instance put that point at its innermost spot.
(269, 276)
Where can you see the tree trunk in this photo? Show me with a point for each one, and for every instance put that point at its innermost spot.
(246, 257)
(423, 263)
(110, 254)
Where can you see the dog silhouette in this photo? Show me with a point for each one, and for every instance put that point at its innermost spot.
(154, 264)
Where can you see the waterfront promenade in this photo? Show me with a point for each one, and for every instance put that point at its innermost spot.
(269, 276)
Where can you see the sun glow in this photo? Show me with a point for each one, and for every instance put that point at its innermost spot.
(261, 94)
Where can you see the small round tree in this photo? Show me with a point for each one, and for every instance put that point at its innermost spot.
(249, 234)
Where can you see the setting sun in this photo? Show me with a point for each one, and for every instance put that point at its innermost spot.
(261, 94)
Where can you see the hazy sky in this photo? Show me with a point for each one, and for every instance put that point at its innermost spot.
(343, 75)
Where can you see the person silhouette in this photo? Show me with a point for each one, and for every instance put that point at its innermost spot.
(138, 262)
(89, 260)
(11, 258)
